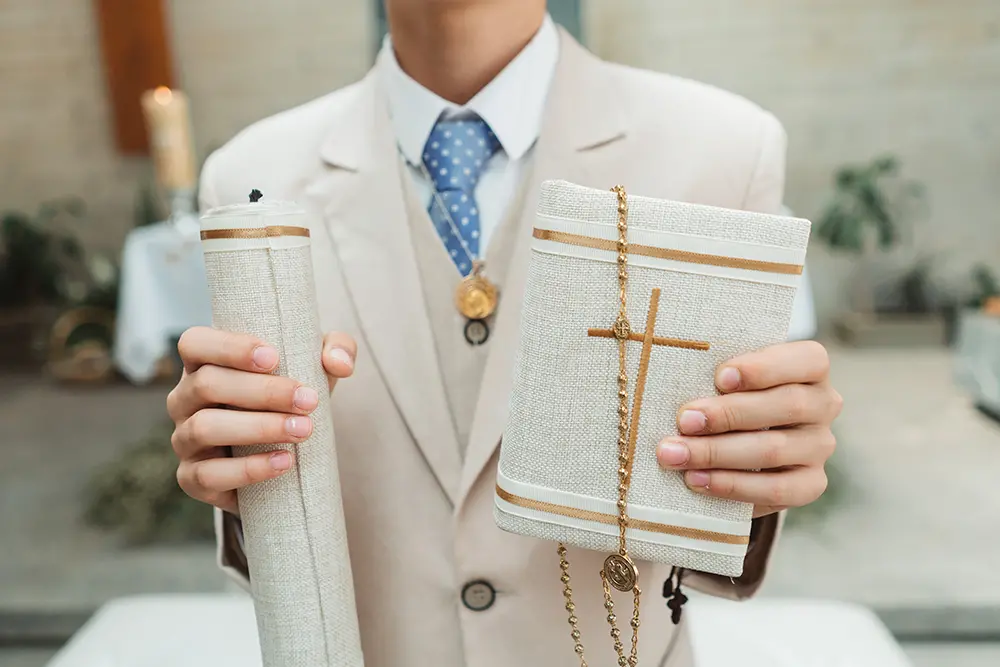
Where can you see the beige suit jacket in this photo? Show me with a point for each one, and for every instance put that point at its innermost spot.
(419, 516)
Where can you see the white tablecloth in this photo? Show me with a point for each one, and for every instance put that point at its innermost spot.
(220, 631)
(977, 358)
(789, 633)
(163, 292)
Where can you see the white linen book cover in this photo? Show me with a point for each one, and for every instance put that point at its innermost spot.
(705, 284)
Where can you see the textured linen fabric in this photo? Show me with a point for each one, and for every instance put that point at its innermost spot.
(563, 424)
(295, 535)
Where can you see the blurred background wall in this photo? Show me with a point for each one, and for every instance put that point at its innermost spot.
(239, 60)
(919, 79)
(850, 79)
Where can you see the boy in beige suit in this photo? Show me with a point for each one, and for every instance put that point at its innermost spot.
(419, 422)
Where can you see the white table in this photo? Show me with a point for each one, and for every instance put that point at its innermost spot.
(790, 633)
(163, 292)
(220, 631)
(977, 358)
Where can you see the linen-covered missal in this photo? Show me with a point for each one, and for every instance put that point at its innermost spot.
(703, 285)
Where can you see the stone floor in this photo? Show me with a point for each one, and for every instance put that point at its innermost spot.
(26, 657)
(908, 529)
(912, 526)
(951, 655)
(53, 439)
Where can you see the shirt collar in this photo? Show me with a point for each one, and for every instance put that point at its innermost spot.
(512, 103)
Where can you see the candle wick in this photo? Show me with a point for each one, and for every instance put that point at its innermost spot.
(255, 196)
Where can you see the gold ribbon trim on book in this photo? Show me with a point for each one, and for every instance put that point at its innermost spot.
(668, 254)
(253, 233)
(612, 520)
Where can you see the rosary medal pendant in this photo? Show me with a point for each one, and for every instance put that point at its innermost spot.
(621, 572)
(476, 297)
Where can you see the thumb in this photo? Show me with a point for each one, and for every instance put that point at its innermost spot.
(339, 352)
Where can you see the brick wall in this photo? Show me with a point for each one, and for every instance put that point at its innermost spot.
(239, 61)
(850, 79)
(55, 137)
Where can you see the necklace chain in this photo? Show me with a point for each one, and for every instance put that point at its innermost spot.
(622, 331)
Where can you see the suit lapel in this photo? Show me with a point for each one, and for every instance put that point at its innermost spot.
(365, 214)
(582, 127)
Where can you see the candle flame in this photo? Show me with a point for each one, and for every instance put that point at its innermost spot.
(163, 95)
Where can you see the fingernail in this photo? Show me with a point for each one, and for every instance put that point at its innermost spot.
(306, 399)
(692, 422)
(265, 358)
(729, 379)
(697, 479)
(673, 453)
(299, 427)
(281, 461)
(337, 354)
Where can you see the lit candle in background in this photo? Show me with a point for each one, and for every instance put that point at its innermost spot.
(169, 122)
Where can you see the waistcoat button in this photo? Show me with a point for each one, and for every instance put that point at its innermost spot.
(478, 595)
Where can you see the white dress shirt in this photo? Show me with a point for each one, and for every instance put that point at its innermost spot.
(512, 105)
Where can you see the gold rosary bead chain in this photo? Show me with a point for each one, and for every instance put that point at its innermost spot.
(609, 604)
(622, 331)
(570, 606)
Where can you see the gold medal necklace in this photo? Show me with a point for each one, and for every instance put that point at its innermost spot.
(619, 570)
(476, 296)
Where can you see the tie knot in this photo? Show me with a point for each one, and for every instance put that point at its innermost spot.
(457, 152)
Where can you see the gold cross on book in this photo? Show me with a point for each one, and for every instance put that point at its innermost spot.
(648, 340)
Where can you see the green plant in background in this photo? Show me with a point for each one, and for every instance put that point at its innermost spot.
(985, 284)
(868, 212)
(863, 208)
(913, 291)
(32, 270)
(137, 495)
(43, 263)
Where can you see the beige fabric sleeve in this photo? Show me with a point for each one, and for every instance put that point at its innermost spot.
(764, 534)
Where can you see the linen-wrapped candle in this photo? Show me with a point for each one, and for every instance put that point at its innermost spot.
(259, 269)
(168, 121)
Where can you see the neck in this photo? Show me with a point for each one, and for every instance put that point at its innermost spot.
(455, 47)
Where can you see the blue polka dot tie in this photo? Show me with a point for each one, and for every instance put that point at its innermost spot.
(455, 156)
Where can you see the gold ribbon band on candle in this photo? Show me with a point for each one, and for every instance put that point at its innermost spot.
(253, 233)
(612, 520)
(668, 254)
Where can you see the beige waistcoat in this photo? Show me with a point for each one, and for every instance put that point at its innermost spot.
(461, 364)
